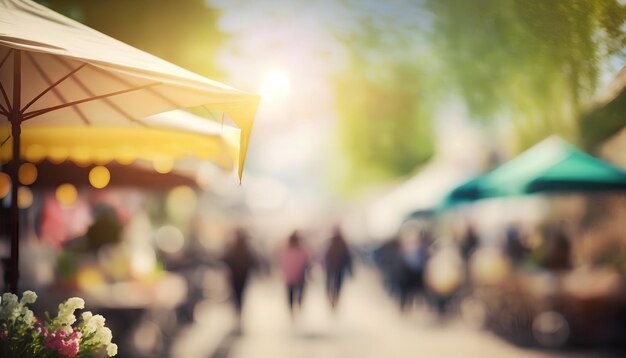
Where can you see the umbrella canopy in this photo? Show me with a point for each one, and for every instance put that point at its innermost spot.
(56, 71)
(171, 135)
(73, 75)
(551, 166)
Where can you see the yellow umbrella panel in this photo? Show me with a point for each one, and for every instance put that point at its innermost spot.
(172, 135)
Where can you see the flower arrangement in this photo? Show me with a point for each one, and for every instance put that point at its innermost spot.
(24, 335)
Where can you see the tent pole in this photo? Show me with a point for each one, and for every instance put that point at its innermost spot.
(16, 129)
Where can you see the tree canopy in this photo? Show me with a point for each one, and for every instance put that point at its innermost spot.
(536, 63)
(385, 98)
(182, 32)
(533, 65)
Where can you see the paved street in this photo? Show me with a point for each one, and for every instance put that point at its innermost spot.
(367, 324)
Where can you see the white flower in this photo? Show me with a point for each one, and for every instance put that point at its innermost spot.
(14, 310)
(28, 297)
(98, 321)
(29, 317)
(75, 303)
(112, 349)
(67, 318)
(103, 336)
(8, 298)
(10, 308)
(87, 316)
(91, 323)
(66, 311)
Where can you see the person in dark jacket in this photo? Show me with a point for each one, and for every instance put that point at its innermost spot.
(337, 262)
(414, 255)
(241, 260)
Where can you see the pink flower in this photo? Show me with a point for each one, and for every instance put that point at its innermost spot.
(76, 335)
(4, 334)
(55, 339)
(69, 348)
(40, 327)
(66, 346)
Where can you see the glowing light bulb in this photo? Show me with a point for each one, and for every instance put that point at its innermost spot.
(27, 173)
(99, 177)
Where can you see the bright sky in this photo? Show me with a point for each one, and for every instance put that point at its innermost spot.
(283, 52)
(286, 52)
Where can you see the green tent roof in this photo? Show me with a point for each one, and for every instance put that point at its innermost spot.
(550, 166)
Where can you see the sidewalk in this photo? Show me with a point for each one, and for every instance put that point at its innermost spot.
(367, 324)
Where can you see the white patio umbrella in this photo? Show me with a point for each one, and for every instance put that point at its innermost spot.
(57, 72)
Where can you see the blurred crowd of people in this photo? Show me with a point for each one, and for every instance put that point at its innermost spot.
(295, 261)
(531, 284)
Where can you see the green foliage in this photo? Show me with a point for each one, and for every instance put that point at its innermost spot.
(384, 129)
(182, 32)
(385, 99)
(534, 62)
(604, 121)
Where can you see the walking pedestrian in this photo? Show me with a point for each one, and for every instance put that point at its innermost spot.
(337, 262)
(241, 260)
(294, 264)
(414, 257)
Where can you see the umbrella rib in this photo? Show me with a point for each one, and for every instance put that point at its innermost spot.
(52, 85)
(90, 93)
(6, 97)
(126, 83)
(213, 115)
(39, 112)
(54, 89)
(4, 93)
(5, 140)
(5, 58)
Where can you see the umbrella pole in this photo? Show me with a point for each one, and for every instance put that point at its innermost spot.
(14, 223)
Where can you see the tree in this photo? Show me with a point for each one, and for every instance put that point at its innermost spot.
(385, 98)
(534, 63)
(606, 118)
(182, 32)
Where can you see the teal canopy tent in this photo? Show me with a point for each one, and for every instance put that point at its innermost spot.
(551, 166)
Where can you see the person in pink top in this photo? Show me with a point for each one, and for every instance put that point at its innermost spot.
(294, 262)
